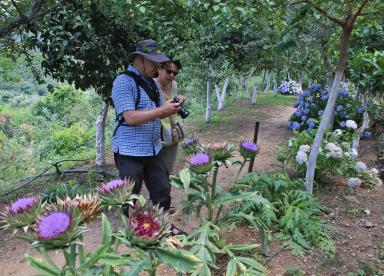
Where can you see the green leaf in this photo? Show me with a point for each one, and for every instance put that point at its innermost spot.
(40, 265)
(136, 268)
(179, 259)
(203, 271)
(185, 177)
(231, 268)
(92, 258)
(240, 247)
(106, 230)
(114, 259)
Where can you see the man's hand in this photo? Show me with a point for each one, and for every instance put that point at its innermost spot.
(169, 108)
(181, 98)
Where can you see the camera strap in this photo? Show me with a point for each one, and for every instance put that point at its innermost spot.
(150, 89)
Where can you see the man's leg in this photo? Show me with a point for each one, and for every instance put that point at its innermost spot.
(156, 179)
(131, 167)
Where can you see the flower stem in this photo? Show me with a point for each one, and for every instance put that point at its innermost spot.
(240, 169)
(218, 213)
(152, 270)
(47, 258)
(209, 202)
(215, 173)
(81, 250)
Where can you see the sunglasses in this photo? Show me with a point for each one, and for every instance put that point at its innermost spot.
(175, 73)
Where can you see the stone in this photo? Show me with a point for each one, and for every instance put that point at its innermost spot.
(352, 199)
(366, 223)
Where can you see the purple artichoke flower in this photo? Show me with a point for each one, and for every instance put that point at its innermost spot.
(58, 229)
(191, 145)
(53, 225)
(248, 149)
(200, 163)
(21, 213)
(116, 192)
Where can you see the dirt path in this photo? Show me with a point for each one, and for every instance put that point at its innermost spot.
(355, 242)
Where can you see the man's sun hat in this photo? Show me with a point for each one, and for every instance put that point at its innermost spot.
(149, 49)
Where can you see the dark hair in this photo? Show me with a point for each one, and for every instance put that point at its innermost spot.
(177, 62)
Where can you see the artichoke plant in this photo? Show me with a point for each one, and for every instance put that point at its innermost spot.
(21, 213)
(58, 229)
(88, 205)
(191, 146)
(219, 151)
(200, 163)
(147, 225)
(248, 149)
(116, 192)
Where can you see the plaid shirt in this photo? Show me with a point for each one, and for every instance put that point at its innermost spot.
(134, 140)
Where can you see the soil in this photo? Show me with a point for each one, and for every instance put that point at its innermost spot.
(357, 217)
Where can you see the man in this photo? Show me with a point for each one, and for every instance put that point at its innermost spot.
(139, 107)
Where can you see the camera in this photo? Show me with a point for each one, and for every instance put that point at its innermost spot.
(183, 112)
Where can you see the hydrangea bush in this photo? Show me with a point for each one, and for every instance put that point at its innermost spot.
(311, 105)
(336, 157)
(290, 88)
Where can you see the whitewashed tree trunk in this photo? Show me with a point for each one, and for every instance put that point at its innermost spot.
(311, 164)
(208, 110)
(221, 97)
(289, 76)
(254, 96)
(364, 126)
(269, 76)
(274, 86)
(100, 135)
(247, 82)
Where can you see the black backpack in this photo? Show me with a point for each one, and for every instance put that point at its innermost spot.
(150, 89)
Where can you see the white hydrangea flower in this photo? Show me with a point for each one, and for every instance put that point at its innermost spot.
(338, 132)
(347, 154)
(354, 182)
(360, 167)
(305, 148)
(354, 153)
(351, 124)
(335, 151)
(320, 150)
(290, 142)
(301, 157)
(374, 171)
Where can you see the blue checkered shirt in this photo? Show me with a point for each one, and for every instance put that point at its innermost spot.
(138, 140)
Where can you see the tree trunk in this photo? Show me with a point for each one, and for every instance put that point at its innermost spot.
(311, 164)
(262, 82)
(364, 126)
(274, 86)
(208, 110)
(100, 135)
(327, 64)
(254, 96)
(221, 98)
(247, 82)
(270, 74)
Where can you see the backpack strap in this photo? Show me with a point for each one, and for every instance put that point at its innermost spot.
(151, 90)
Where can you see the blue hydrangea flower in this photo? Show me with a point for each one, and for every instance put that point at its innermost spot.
(324, 98)
(301, 97)
(299, 112)
(306, 111)
(347, 94)
(302, 103)
(339, 107)
(311, 124)
(314, 86)
(290, 125)
(296, 105)
(320, 113)
(360, 109)
(296, 126)
(366, 135)
(303, 118)
(313, 105)
(342, 124)
(348, 106)
(310, 99)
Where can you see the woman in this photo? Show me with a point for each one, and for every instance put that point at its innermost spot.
(169, 134)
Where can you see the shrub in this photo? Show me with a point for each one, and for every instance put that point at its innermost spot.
(290, 88)
(69, 140)
(311, 105)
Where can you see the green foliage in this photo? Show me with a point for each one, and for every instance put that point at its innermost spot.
(292, 211)
(57, 104)
(71, 139)
(294, 270)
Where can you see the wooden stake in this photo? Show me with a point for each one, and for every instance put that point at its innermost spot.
(255, 135)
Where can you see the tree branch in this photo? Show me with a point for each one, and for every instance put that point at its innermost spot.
(324, 12)
(358, 12)
(33, 14)
(17, 8)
